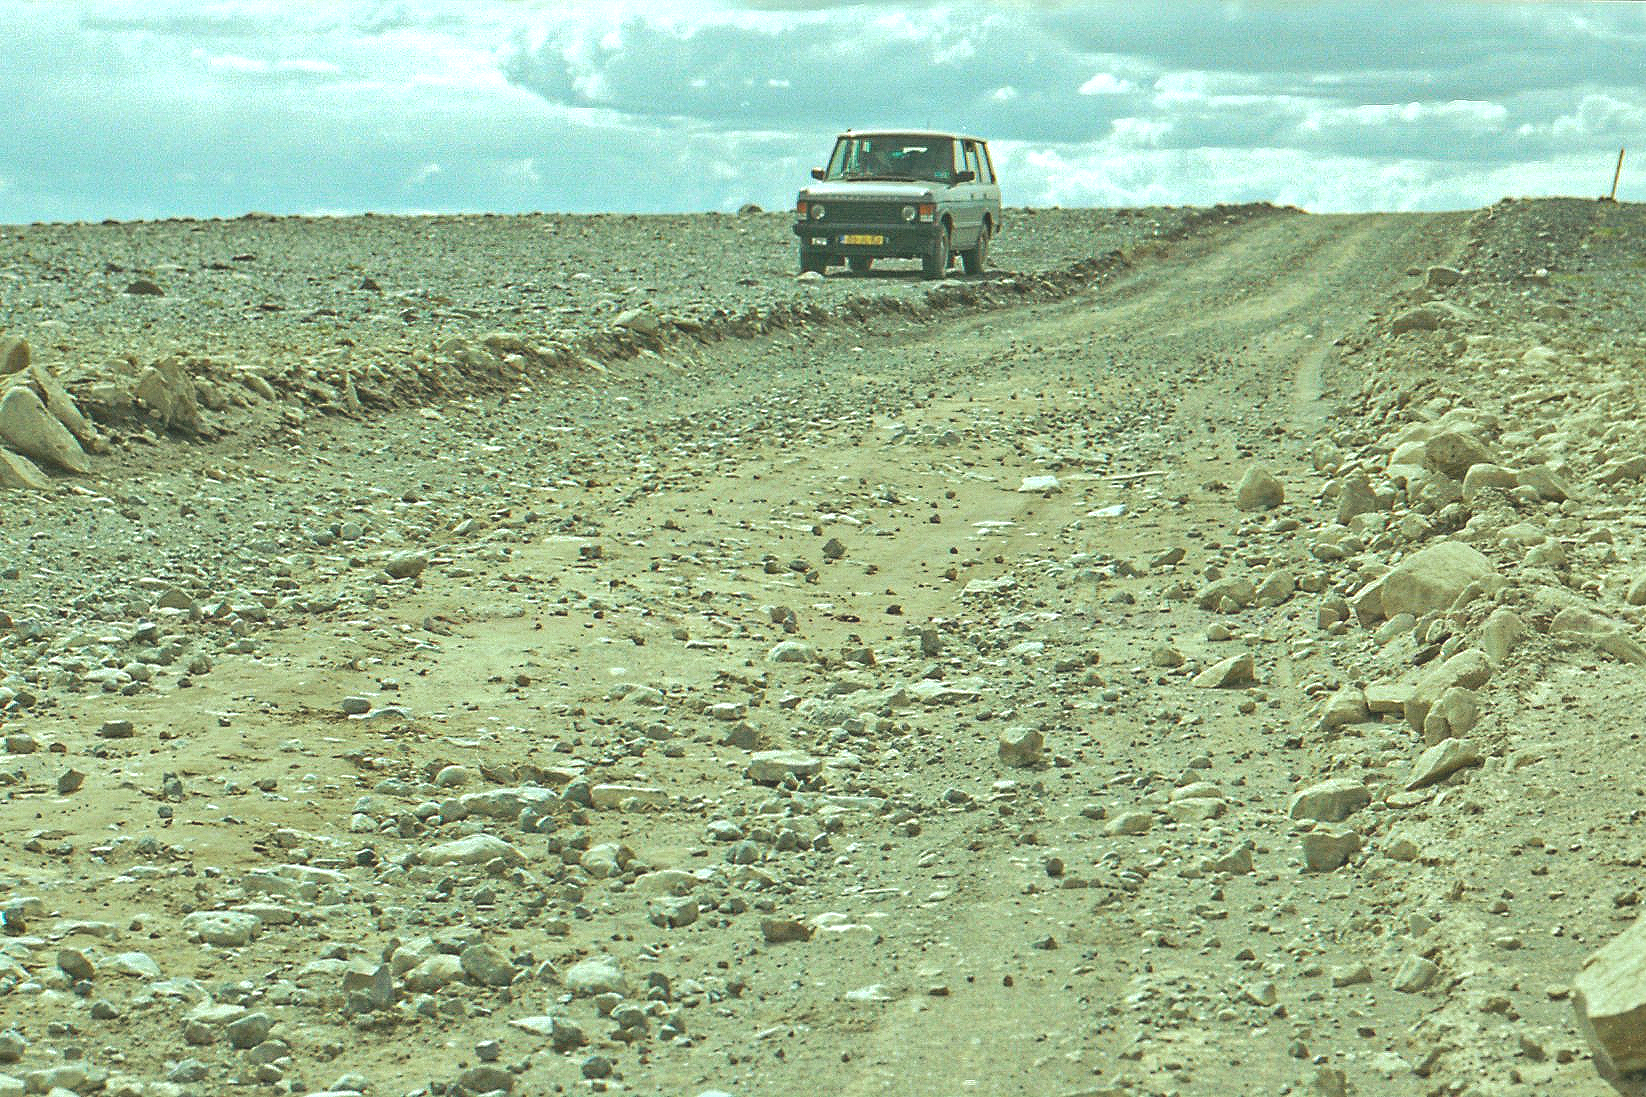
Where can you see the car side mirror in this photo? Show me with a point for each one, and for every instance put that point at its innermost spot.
(964, 176)
(819, 173)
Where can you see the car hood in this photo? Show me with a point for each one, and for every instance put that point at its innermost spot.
(873, 190)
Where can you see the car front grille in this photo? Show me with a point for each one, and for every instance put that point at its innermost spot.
(864, 213)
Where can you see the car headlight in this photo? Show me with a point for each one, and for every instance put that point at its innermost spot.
(908, 213)
(817, 213)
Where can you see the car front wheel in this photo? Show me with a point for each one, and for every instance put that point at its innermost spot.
(935, 263)
(973, 258)
(860, 264)
(813, 262)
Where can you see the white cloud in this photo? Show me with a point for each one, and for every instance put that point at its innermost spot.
(1106, 83)
(232, 63)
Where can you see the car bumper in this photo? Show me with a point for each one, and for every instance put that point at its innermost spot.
(871, 240)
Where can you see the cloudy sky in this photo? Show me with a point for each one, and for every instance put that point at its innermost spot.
(152, 108)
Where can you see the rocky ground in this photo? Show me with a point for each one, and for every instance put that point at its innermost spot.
(1198, 657)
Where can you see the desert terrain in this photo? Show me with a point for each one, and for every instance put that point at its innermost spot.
(552, 654)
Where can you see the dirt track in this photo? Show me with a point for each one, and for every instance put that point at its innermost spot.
(613, 564)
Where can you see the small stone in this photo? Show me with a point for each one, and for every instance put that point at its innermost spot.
(249, 1031)
(1415, 975)
(73, 963)
(833, 549)
(69, 781)
(486, 1079)
(116, 729)
(224, 928)
(778, 931)
(792, 651)
(355, 706)
(1350, 975)
(144, 287)
(1132, 823)
(768, 767)
(1021, 747)
(406, 565)
(1041, 485)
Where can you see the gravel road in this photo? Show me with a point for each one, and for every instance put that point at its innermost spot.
(1196, 658)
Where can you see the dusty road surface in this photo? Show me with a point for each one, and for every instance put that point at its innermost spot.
(1203, 668)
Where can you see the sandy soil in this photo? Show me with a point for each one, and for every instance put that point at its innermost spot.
(453, 693)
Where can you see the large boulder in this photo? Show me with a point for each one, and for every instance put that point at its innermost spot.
(1609, 997)
(62, 406)
(1426, 581)
(27, 427)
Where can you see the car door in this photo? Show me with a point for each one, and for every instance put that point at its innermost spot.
(988, 191)
(963, 196)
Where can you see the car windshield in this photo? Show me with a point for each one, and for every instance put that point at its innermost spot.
(893, 156)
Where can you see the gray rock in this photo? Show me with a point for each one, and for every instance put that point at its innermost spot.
(1330, 801)
(476, 849)
(1356, 497)
(14, 355)
(1328, 848)
(27, 427)
(1606, 635)
(1130, 823)
(1021, 747)
(437, 971)
(17, 471)
(1609, 998)
(768, 767)
(1346, 706)
(1453, 452)
(405, 565)
(596, 975)
(1441, 761)
(1236, 670)
(249, 1030)
(486, 966)
(1415, 975)
(224, 928)
(1422, 318)
(1454, 715)
(1259, 490)
(1426, 581)
(1468, 669)
(792, 651)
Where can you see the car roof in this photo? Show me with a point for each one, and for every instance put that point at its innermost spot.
(912, 133)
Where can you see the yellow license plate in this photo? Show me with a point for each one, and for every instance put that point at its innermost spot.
(861, 238)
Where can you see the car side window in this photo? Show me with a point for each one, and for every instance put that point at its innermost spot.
(972, 163)
(988, 163)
